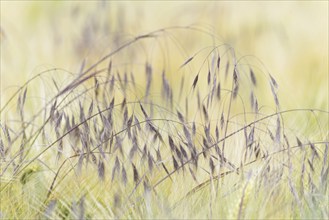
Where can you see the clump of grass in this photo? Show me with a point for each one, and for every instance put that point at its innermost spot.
(118, 141)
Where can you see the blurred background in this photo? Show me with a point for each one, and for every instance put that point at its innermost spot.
(290, 38)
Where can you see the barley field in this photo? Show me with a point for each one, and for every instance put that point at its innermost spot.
(164, 110)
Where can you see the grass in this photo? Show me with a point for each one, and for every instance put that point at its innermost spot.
(147, 138)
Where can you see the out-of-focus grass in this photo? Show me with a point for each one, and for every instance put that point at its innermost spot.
(287, 39)
(290, 38)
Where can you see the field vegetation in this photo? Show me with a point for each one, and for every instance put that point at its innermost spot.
(104, 117)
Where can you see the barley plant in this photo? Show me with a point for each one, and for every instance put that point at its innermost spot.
(168, 123)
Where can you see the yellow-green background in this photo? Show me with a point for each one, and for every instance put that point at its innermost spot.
(289, 37)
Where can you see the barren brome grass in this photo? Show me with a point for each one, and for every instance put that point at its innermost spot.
(187, 139)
